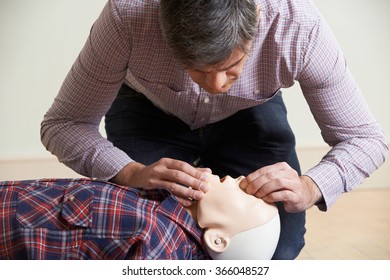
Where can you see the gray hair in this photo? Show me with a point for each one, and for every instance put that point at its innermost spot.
(206, 32)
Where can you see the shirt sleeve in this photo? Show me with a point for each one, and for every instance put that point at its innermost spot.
(347, 125)
(70, 128)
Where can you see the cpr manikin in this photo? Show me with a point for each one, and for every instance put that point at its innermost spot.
(237, 225)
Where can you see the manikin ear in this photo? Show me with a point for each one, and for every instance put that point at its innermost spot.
(216, 241)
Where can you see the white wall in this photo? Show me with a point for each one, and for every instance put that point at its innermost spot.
(40, 40)
(362, 29)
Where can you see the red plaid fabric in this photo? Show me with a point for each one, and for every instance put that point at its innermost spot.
(87, 219)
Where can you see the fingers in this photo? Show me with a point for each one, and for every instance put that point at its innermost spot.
(292, 203)
(184, 201)
(182, 173)
(268, 179)
(180, 178)
(205, 169)
(274, 182)
(278, 183)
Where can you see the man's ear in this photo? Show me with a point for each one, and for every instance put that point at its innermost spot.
(216, 241)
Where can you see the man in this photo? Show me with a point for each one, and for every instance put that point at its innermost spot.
(88, 219)
(199, 86)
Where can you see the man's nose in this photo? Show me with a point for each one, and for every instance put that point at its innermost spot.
(216, 81)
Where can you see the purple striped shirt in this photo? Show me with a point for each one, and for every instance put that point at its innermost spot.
(293, 43)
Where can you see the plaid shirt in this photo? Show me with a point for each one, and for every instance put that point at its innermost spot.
(86, 219)
(293, 43)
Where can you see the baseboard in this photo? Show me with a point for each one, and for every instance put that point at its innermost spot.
(34, 168)
(49, 167)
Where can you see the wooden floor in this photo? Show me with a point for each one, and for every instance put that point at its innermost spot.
(357, 227)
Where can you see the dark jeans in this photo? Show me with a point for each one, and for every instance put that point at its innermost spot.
(235, 146)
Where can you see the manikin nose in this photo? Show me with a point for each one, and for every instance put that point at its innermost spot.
(228, 178)
(216, 81)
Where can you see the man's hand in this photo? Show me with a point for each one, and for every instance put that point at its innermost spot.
(281, 183)
(180, 178)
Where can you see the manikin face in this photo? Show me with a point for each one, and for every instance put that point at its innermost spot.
(226, 212)
(219, 79)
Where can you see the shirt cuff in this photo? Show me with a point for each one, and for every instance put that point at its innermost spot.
(108, 163)
(330, 183)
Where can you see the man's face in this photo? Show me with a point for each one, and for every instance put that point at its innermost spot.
(220, 78)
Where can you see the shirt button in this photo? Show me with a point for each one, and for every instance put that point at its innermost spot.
(71, 198)
(206, 100)
(257, 91)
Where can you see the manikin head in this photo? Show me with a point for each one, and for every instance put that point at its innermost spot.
(237, 225)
